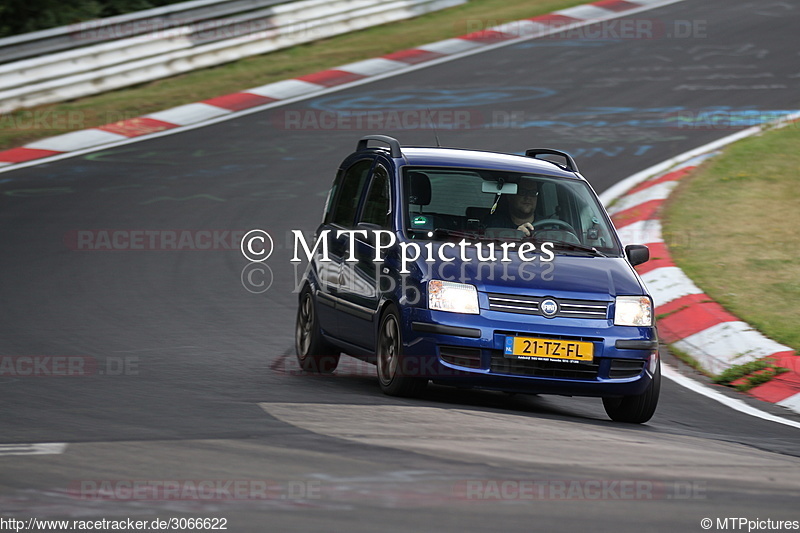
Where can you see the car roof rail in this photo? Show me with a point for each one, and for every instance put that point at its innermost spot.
(394, 144)
(569, 163)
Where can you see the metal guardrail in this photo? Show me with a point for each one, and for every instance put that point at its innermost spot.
(107, 29)
(112, 53)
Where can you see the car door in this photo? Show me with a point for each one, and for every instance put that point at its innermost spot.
(340, 215)
(360, 293)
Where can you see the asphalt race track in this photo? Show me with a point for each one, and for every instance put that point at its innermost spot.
(191, 377)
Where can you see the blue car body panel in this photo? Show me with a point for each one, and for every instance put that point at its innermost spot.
(468, 349)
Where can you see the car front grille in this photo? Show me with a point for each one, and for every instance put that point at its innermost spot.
(529, 305)
(538, 368)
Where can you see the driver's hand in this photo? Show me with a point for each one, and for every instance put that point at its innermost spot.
(526, 228)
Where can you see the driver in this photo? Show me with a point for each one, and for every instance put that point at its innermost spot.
(517, 210)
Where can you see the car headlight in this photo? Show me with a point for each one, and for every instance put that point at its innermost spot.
(633, 311)
(453, 297)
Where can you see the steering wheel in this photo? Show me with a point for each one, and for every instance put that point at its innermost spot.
(555, 222)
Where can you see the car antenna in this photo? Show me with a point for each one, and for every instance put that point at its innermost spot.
(435, 134)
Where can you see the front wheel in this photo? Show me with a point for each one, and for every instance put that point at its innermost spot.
(314, 353)
(636, 409)
(390, 362)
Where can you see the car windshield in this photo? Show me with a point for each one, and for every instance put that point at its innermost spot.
(477, 204)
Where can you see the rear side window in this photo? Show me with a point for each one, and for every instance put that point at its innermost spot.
(376, 206)
(348, 193)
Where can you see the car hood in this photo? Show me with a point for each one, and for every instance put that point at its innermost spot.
(576, 276)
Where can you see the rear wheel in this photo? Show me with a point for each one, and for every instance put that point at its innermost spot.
(314, 353)
(636, 409)
(390, 362)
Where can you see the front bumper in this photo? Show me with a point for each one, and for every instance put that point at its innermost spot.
(468, 351)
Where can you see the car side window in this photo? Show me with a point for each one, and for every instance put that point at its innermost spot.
(349, 193)
(376, 207)
(326, 215)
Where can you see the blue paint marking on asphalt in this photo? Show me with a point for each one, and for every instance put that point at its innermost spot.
(716, 117)
(726, 117)
(608, 151)
(584, 152)
(618, 110)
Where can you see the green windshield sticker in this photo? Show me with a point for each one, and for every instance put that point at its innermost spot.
(419, 221)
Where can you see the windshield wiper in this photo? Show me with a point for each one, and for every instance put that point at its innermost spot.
(564, 245)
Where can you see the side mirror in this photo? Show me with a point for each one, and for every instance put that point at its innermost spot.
(637, 254)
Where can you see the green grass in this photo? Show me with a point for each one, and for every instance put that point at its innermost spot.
(742, 210)
(753, 374)
(24, 126)
(686, 358)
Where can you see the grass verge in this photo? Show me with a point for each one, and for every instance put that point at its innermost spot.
(24, 126)
(740, 218)
(686, 358)
(745, 377)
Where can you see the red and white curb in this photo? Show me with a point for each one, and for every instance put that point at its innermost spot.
(691, 321)
(230, 105)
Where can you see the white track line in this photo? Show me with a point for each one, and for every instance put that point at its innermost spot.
(737, 405)
(618, 190)
(40, 448)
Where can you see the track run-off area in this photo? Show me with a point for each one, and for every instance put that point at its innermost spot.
(188, 380)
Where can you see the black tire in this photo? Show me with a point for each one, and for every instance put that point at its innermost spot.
(389, 352)
(314, 353)
(636, 409)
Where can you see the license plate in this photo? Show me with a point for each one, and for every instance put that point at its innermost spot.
(536, 348)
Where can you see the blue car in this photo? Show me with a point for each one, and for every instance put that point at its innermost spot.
(477, 269)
